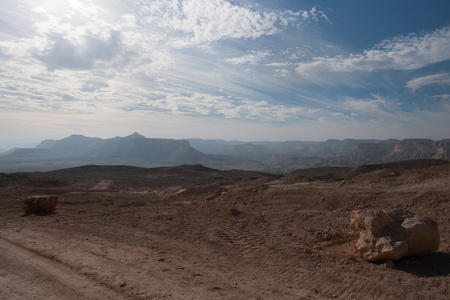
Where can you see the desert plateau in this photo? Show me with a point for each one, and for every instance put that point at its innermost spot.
(192, 232)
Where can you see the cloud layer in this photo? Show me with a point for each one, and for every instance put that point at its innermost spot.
(203, 61)
(402, 53)
(84, 52)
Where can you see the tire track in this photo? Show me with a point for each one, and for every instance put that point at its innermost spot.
(49, 278)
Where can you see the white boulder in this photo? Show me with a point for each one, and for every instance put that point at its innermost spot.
(393, 235)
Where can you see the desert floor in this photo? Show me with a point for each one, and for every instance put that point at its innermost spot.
(195, 233)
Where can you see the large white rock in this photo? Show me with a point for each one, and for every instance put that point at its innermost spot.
(393, 235)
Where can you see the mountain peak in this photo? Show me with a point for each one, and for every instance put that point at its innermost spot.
(135, 136)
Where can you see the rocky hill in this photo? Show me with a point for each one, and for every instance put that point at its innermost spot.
(77, 150)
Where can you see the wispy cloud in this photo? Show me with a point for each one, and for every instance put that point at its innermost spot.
(444, 96)
(402, 53)
(376, 107)
(195, 22)
(198, 104)
(209, 21)
(442, 79)
(63, 54)
(251, 58)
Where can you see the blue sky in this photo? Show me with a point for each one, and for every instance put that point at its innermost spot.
(245, 70)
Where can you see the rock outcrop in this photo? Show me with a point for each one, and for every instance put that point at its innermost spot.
(40, 205)
(393, 235)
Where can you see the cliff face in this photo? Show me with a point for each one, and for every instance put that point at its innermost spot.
(410, 149)
(370, 152)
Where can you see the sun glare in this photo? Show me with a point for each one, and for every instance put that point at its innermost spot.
(58, 7)
(52, 6)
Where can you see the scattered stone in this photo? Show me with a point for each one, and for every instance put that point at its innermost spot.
(40, 205)
(393, 235)
(235, 212)
(107, 202)
(389, 264)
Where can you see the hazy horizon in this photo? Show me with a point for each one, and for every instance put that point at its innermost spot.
(11, 145)
(232, 70)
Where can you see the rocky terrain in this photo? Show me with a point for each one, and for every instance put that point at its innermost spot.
(191, 232)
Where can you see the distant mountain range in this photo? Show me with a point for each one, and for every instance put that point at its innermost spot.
(275, 157)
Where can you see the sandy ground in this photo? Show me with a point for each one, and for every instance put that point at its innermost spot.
(203, 235)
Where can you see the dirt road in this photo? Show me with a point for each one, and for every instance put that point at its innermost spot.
(27, 274)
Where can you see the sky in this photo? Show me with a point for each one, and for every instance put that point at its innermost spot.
(215, 69)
